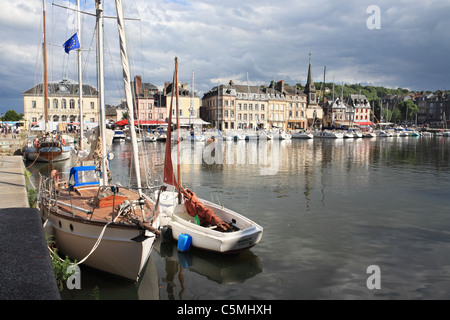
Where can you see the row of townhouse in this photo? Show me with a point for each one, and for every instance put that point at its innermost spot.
(279, 105)
(433, 108)
(224, 107)
(356, 111)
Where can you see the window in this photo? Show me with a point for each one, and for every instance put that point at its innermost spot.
(55, 104)
(34, 119)
(72, 118)
(239, 116)
(245, 106)
(64, 118)
(262, 107)
(239, 106)
(33, 104)
(250, 106)
(181, 112)
(92, 120)
(245, 116)
(92, 106)
(232, 113)
(55, 118)
(226, 113)
(262, 117)
(63, 104)
(72, 104)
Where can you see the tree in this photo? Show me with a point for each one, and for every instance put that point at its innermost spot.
(408, 109)
(12, 115)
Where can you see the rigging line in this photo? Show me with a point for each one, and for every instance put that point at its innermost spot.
(38, 57)
(113, 69)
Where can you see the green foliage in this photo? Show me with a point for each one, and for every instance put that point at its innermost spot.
(372, 93)
(408, 109)
(12, 115)
(32, 193)
(60, 266)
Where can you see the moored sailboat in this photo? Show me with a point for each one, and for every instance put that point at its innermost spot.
(210, 226)
(108, 227)
(47, 147)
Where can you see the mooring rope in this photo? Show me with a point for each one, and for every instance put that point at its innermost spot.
(34, 160)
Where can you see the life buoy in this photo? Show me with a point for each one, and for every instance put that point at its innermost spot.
(54, 175)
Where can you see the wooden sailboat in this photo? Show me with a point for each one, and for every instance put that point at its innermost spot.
(108, 227)
(210, 226)
(48, 147)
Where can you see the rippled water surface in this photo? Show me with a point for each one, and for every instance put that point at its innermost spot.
(329, 209)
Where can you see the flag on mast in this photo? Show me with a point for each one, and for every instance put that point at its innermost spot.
(72, 43)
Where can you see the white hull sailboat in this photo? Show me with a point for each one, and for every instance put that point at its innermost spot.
(120, 247)
(302, 135)
(210, 226)
(243, 235)
(329, 134)
(108, 227)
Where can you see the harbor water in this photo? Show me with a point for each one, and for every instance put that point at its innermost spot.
(330, 209)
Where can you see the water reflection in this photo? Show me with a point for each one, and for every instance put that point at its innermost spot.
(221, 269)
(331, 209)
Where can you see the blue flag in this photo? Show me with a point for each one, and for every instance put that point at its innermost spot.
(71, 44)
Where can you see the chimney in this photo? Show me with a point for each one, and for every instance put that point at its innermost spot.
(280, 86)
(231, 83)
(138, 85)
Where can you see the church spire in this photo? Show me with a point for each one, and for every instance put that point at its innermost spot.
(310, 88)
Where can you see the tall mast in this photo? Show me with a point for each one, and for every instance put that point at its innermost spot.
(80, 85)
(128, 95)
(101, 89)
(191, 109)
(45, 85)
(178, 131)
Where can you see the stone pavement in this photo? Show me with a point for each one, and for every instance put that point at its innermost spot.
(26, 270)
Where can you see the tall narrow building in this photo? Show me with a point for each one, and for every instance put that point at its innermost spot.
(314, 112)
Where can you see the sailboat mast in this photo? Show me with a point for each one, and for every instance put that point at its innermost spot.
(101, 90)
(45, 85)
(178, 130)
(128, 95)
(80, 85)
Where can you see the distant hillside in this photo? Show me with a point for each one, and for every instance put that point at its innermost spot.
(371, 92)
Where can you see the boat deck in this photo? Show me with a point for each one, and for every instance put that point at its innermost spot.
(100, 204)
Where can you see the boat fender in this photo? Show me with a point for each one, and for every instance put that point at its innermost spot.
(54, 175)
(36, 142)
(63, 141)
(184, 242)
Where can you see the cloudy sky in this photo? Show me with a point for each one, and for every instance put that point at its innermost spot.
(224, 40)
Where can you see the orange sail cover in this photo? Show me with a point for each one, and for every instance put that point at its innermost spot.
(169, 176)
(206, 216)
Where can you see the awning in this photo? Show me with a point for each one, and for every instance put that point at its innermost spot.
(124, 122)
(191, 121)
(368, 123)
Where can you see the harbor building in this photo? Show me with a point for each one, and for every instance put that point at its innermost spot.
(63, 103)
